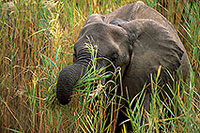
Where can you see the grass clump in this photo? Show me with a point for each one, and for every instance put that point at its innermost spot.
(96, 97)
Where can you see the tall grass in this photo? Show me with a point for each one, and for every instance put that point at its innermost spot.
(36, 42)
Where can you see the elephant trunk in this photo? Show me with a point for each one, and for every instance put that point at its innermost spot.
(66, 81)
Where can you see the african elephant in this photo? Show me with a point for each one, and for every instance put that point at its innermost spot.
(135, 37)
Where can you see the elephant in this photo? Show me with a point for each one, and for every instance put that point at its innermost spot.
(134, 37)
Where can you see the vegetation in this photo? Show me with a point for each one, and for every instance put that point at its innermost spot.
(36, 42)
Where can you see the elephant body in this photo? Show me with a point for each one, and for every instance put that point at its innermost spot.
(134, 37)
(143, 62)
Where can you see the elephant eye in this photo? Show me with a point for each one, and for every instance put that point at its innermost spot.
(114, 57)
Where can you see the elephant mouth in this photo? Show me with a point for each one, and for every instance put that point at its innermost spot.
(98, 72)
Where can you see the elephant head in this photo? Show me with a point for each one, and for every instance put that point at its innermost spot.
(137, 45)
(109, 40)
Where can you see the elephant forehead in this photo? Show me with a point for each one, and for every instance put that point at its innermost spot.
(104, 44)
(101, 35)
(103, 30)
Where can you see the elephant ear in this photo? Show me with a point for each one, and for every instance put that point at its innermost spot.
(153, 46)
(94, 18)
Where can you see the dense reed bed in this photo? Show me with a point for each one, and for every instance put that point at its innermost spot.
(36, 42)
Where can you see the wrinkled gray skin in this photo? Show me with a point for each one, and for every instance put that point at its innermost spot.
(135, 37)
